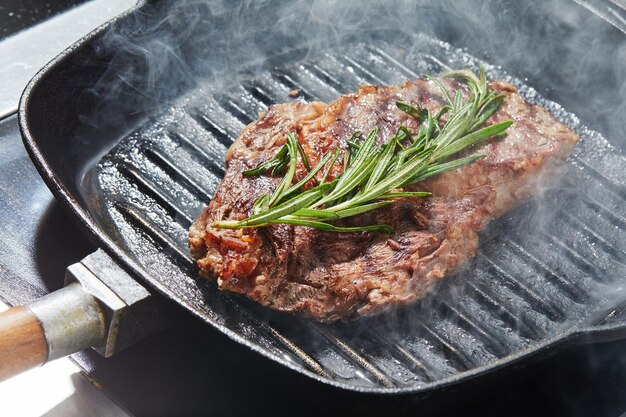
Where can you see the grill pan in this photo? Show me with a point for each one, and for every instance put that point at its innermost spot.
(135, 173)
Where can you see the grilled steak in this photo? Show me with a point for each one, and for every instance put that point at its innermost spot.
(331, 275)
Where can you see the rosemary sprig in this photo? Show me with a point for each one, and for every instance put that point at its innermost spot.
(374, 175)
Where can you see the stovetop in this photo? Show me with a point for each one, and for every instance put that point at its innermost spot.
(191, 369)
(16, 15)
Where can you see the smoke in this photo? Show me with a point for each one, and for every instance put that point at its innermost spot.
(567, 53)
(155, 57)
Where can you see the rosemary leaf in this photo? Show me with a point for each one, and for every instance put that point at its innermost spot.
(362, 209)
(277, 162)
(472, 139)
(417, 112)
(406, 194)
(381, 228)
(443, 167)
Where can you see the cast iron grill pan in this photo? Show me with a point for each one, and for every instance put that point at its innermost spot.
(547, 267)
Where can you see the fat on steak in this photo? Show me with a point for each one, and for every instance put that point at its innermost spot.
(332, 276)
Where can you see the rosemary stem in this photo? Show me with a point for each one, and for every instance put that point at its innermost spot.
(226, 224)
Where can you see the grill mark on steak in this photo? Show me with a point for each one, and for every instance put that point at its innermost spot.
(339, 275)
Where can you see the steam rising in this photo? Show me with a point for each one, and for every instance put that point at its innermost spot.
(567, 54)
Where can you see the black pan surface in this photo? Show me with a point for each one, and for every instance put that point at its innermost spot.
(133, 146)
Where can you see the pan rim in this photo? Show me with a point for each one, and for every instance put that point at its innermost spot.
(585, 333)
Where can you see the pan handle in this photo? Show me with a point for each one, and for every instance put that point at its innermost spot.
(22, 342)
(101, 306)
(56, 325)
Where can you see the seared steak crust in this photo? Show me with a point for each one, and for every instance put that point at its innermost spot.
(333, 275)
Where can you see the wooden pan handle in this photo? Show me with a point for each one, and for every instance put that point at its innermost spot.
(55, 325)
(22, 342)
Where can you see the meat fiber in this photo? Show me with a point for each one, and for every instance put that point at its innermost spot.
(329, 275)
